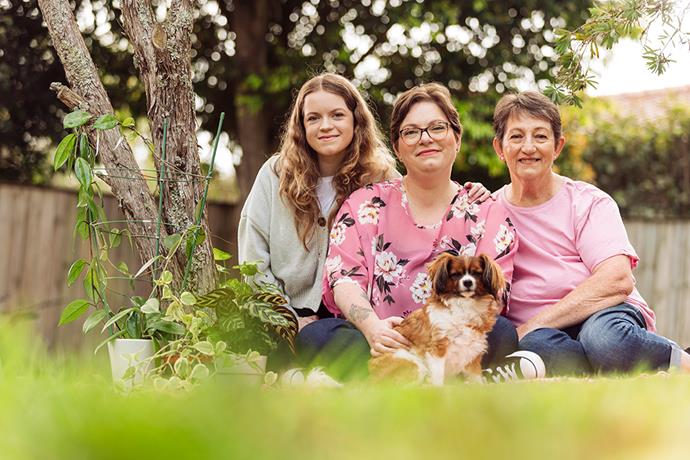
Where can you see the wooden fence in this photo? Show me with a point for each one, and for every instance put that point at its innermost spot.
(37, 248)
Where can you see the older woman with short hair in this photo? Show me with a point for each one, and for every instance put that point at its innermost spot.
(573, 297)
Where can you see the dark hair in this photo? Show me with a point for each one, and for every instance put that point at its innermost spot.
(431, 92)
(531, 103)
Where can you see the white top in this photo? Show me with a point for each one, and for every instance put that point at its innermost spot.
(326, 194)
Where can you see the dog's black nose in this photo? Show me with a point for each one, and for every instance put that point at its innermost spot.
(467, 283)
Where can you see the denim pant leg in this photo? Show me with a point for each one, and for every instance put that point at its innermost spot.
(616, 340)
(503, 340)
(561, 353)
(336, 345)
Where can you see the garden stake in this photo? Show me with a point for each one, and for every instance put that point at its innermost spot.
(161, 176)
(203, 201)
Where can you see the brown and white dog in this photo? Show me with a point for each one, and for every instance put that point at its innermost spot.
(449, 334)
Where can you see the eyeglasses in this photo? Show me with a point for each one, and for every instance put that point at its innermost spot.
(436, 131)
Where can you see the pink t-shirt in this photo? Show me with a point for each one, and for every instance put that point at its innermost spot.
(376, 244)
(561, 242)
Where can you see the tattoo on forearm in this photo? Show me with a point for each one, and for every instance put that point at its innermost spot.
(359, 313)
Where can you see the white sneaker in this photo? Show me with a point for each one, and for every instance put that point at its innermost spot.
(318, 378)
(292, 377)
(314, 378)
(521, 365)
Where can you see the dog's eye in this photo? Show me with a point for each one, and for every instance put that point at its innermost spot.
(455, 276)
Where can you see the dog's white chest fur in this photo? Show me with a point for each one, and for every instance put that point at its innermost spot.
(458, 323)
(460, 314)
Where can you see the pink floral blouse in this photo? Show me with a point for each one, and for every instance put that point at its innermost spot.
(376, 244)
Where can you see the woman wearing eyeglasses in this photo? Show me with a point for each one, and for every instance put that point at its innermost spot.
(384, 235)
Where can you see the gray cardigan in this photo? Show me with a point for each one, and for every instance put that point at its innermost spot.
(267, 232)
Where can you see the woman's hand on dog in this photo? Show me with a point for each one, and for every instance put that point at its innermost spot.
(382, 337)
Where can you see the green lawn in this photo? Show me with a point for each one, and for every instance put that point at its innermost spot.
(57, 408)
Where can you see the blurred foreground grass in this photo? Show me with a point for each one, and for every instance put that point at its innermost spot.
(64, 407)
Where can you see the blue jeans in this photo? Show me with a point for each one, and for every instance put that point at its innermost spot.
(612, 340)
(339, 347)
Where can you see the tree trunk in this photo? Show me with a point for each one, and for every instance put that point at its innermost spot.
(162, 55)
(250, 23)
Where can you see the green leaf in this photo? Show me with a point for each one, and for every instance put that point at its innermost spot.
(200, 372)
(204, 347)
(166, 277)
(270, 378)
(83, 172)
(181, 367)
(84, 148)
(248, 268)
(196, 237)
(128, 123)
(95, 318)
(219, 254)
(167, 293)
(82, 227)
(145, 266)
(187, 298)
(107, 121)
(137, 300)
(172, 242)
(75, 119)
(64, 150)
(112, 337)
(117, 317)
(73, 311)
(123, 268)
(75, 270)
(115, 238)
(151, 306)
(169, 327)
(200, 236)
(198, 211)
(220, 347)
(132, 326)
(266, 313)
(129, 373)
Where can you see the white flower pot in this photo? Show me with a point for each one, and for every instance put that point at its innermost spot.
(130, 352)
(244, 373)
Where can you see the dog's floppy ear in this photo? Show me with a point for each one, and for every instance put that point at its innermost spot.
(492, 276)
(438, 272)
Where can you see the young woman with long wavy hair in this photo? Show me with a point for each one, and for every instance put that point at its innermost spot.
(330, 147)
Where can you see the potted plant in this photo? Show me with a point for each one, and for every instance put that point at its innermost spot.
(132, 330)
(171, 335)
(230, 330)
(252, 318)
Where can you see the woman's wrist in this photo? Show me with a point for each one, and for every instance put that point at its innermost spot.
(368, 325)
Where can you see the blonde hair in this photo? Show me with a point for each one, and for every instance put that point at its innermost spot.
(367, 159)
